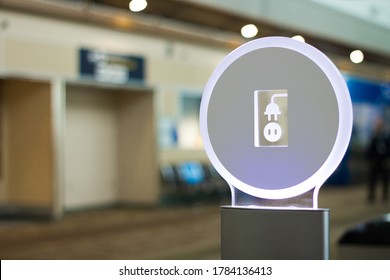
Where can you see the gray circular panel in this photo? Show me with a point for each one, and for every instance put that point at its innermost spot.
(271, 116)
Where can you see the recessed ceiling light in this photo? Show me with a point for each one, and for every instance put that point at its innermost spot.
(137, 5)
(249, 31)
(356, 56)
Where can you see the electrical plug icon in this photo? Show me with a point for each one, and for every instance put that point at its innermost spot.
(273, 131)
(273, 108)
(271, 118)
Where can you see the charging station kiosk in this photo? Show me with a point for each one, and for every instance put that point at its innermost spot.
(276, 120)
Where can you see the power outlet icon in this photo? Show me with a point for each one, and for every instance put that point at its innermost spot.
(272, 132)
(271, 119)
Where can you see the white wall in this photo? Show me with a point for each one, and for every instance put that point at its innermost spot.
(91, 149)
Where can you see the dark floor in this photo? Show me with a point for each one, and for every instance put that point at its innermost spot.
(163, 233)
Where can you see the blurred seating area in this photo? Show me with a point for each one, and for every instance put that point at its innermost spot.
(192, 182)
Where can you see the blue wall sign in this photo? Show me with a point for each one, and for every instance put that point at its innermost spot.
(113, 68)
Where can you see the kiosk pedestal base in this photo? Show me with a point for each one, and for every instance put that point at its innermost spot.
(274, 234)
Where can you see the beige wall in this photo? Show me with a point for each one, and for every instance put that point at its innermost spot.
(27, 135)
(29, 56)
(2, 148)
(138, 168)
(50, 47)
(110, 149)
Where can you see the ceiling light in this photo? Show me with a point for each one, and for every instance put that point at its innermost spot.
(137, 5)
(356, 56)
(299, 38)
(249, 31)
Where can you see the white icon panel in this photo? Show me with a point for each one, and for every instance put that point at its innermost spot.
(271, 121)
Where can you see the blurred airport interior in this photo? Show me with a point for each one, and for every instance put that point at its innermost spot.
(99, 129)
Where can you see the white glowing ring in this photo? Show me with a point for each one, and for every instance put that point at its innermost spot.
(344, 126)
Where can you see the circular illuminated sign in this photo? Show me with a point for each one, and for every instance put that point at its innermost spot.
(276, 118)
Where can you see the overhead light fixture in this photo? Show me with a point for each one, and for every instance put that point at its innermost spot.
(249, 31)
(356, 56)
(299, 38)
(137, 5)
